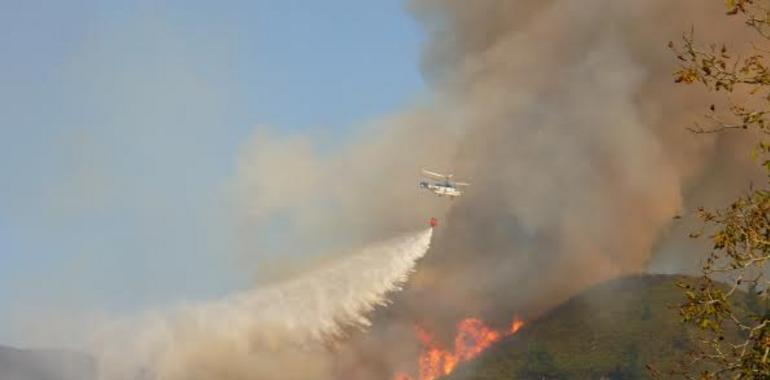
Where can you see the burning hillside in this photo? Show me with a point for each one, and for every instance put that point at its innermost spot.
(614, 330)
(473, 337)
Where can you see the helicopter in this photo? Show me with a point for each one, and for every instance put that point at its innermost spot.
(442, 184)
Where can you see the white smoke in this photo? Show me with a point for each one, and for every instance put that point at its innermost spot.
(279, 331)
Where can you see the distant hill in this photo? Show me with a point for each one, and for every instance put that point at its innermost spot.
(610, 331)
(18, 364)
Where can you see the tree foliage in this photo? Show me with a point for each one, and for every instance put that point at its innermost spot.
(733, 320)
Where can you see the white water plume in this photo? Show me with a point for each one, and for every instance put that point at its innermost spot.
(263, 333)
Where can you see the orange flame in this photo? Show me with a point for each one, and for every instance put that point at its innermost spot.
(473, 337)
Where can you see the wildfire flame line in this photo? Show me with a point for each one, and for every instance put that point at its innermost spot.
(473, 337)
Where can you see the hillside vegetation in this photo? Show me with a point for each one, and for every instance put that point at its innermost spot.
(611, 331)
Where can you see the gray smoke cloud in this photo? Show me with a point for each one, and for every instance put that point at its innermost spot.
(563, 115)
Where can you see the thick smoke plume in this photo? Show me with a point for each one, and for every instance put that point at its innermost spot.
(283, 331)
(564, 117)
(575, 138)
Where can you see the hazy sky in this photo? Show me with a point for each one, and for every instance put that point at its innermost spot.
(121, 123)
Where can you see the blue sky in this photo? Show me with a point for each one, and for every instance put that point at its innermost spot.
(121, 123)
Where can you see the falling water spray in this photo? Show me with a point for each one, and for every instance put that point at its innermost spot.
(263, 333)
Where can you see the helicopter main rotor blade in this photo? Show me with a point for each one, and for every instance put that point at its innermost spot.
(434, 174)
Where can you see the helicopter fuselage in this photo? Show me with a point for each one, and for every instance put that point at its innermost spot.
(441, 189)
